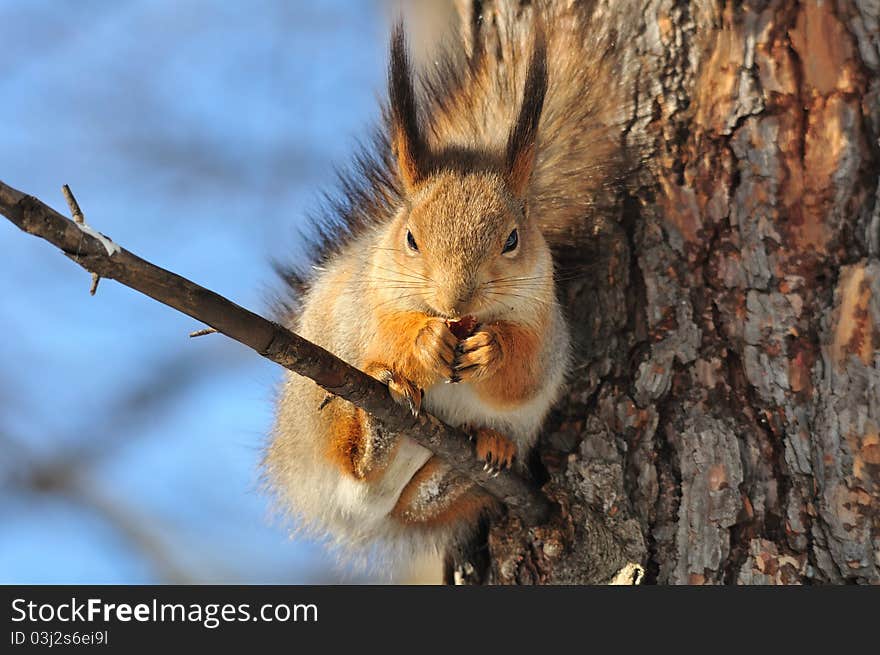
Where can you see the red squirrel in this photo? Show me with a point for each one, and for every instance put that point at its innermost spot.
(438, 280)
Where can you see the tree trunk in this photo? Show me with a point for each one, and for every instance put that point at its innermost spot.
(724, 418)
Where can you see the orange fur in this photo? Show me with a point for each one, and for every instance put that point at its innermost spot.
(407, 161)
(346, 445)
(418, 347)
(502, 363)
(521, 171)
(494, 448)
(402, 390)
(349, 444)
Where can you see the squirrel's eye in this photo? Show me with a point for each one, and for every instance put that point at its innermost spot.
(511, 243)
(411, 242)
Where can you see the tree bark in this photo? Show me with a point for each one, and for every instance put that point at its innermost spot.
(724, 418)
(723, 421)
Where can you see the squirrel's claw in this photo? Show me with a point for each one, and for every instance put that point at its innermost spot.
(476, 357)
(402, 391)
(405, 393)
(412, 407)
(496, 450)
(435, 349)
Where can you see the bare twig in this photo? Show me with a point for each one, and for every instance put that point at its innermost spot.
(201, 333)
(78, 217)
(99, 255)
(75, 211)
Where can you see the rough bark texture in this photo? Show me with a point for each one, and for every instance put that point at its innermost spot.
(725, 416)
(723, 421)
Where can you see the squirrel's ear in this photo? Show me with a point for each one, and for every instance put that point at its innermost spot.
(406, 139)
(522, 141)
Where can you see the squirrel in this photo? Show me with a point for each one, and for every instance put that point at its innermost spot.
(437, 278)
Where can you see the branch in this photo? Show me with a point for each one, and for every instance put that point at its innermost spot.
(103, 258)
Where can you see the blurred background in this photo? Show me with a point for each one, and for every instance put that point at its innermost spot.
(198, 135)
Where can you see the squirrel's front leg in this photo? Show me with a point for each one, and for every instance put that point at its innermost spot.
(409, 352)
(500, 360)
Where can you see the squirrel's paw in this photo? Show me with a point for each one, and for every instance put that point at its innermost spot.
(402, 390)
(493, 448)
(477, 356)
(435, 348)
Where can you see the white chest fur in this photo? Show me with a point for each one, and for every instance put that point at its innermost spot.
(458, 404)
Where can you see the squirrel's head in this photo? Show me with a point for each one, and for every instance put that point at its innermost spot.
(463, 241)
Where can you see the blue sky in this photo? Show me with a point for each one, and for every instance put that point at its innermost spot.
(198, 135)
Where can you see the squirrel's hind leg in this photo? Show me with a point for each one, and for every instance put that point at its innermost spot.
(467, 562)
(437, 497)
(454, 513)
(493, 448)
(355, 443)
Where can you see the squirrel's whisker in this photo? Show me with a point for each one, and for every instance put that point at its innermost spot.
(415, 274)
(517, 295)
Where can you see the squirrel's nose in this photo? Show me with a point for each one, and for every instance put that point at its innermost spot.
(456, 304)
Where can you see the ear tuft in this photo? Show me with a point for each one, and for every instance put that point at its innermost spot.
(522, 141)
(406, 139)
